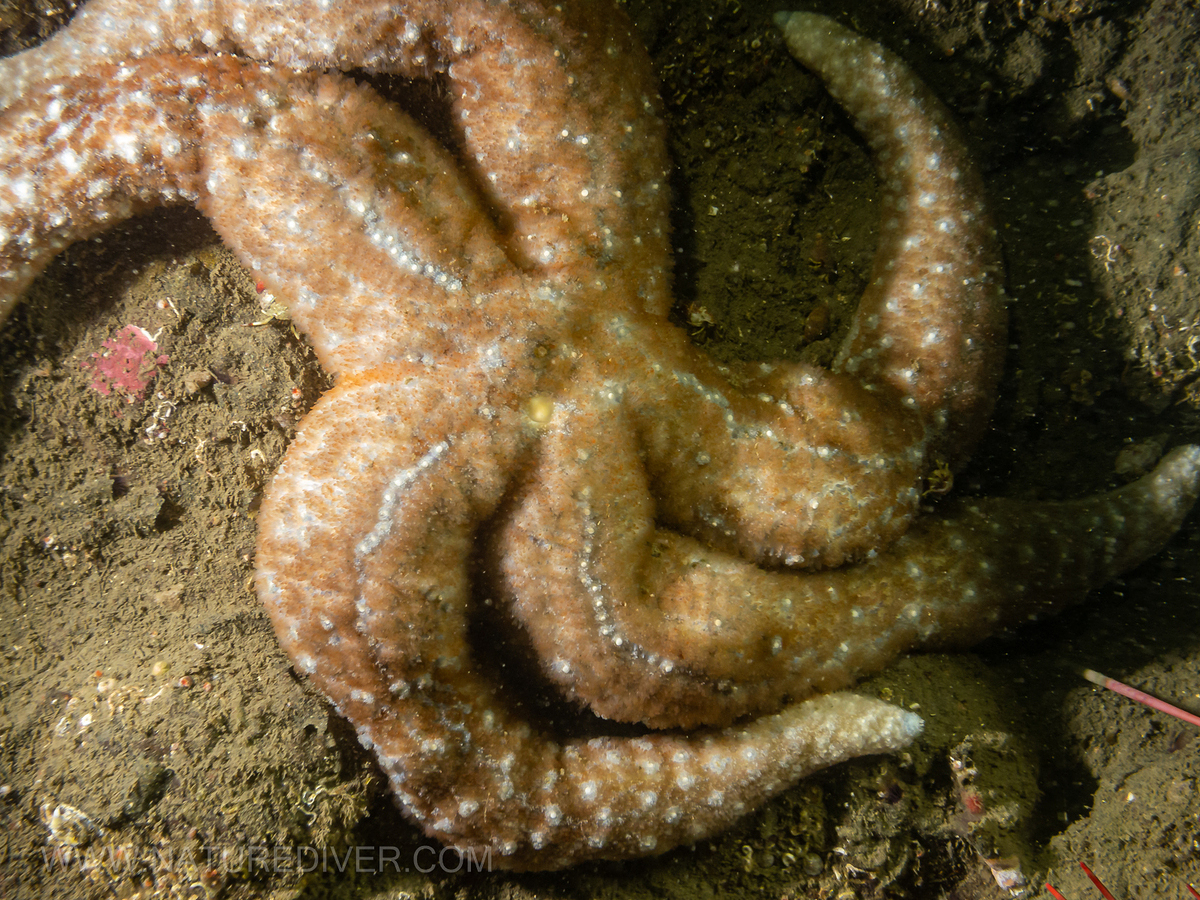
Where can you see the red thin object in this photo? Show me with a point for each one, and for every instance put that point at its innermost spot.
(1141, 697)
(1057, 895)
(1190, 888)
(1096, 881)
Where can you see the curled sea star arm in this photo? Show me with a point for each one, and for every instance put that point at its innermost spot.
(697, 636)
(281, 164)
(65, 177)
(936, 242)
(568, 148)
(799, 466)
(382, 630)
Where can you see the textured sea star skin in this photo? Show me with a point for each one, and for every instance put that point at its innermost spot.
(478, 362)
(584, 193)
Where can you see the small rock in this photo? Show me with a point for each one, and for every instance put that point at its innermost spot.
(1138, 459)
